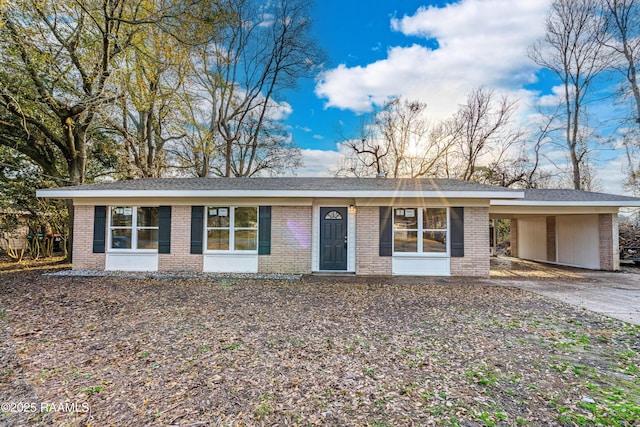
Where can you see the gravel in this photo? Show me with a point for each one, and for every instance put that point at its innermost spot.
(175, 275)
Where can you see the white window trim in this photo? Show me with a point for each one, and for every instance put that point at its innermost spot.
(134, 230)
(420, 231)
(232, 231)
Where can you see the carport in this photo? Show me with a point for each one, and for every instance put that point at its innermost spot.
(565, 227)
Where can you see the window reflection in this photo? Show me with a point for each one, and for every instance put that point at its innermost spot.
(429, 223)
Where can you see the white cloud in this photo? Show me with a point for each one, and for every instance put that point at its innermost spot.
(318, 162)
(480, 42)
(611, 175)
(553, 99)
(268, 19)
(280, 110)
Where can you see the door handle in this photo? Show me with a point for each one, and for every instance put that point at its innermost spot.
(345, 242)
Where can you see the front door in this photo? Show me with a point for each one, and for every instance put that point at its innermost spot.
(333, 238)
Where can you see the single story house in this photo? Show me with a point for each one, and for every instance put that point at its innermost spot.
(366, 226)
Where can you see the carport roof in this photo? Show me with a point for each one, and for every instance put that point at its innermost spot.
(566, 197)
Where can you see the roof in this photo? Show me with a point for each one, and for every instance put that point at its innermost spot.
(306, 187)
(573, 195)
(284, 187)
(567, 197)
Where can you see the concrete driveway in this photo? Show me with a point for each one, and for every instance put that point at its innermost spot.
(616, 294)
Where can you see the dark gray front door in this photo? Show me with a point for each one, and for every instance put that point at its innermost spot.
(333, 238)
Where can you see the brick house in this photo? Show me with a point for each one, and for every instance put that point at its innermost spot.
(365, 226)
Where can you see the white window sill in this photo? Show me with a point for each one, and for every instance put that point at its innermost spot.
(132, 251)
(422, 254)
(231, 252)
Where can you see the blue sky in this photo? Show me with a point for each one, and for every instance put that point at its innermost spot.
(434, 51)
(353, 34)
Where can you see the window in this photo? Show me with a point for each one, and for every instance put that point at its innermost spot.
(333, 215)
(434, 230)
(232, 229)
(134, 227)
(420, 230)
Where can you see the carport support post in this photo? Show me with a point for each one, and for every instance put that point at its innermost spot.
(514, 237)
(609, 242)
(551, 239)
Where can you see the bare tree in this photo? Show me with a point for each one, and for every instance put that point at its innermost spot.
(399, 141)
(404, 127)
(150, 112)
(364, 155)
(481, 130)
(264, 49)
(534, 176)
(623, 22)
(524, 168)
(196, 153)
(574, 49)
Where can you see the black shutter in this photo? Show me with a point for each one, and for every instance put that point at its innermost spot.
(264, 230)
(99, 228)
(164, 230)
(197, 229)
(457, 232)
(386, 231)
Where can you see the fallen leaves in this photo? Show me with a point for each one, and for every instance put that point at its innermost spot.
(320, 351)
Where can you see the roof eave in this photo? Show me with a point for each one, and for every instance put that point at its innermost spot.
(61, 193)
(594, 203)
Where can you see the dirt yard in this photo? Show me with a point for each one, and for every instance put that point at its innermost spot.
(321, 351)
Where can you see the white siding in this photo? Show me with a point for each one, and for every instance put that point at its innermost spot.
(532, 238)
(230, 263)
(351, 241)
(315, 238)
(578, 240)
(421, 266)
(131, 261)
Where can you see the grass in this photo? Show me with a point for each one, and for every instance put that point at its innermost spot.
(483, 376)
(93, 389)
(265, 407)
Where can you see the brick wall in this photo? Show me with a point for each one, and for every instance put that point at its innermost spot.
(290, 241)
(180, 258)
(609, 242)
(551, 239)
(368, 260)
(83, 256)
(476, 244)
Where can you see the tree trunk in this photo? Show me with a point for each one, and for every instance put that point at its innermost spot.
(573, 143)
(633, 81)
(227, 159)
(77, 166)
(575, 163)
